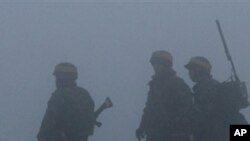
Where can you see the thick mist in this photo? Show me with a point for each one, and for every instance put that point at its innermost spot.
(110, 43)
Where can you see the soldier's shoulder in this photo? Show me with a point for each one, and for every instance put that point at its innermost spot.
(55, 95)
(150, 82)
(56, 98)
(82, 90)
(179, 84)
(178, 81)
(214, 82)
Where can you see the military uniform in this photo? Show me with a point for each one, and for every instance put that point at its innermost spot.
(217, 112)
(207, 117)
(214, 111)
(69, 115)
(169, 98)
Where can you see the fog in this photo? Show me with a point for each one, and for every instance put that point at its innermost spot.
(110, 43)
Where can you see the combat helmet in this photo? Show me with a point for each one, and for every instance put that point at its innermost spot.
(199, 63)
(161, 57)
(66, 71)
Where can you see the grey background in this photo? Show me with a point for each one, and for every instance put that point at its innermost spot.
(110, 43)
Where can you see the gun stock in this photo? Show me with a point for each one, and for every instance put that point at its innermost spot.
(106, 104)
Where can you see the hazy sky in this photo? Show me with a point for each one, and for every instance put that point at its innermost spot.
(133, 1)
(110, 43)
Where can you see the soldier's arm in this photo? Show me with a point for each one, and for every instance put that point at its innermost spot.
(210, 99)
(183, 100)
(141, 130)
(49, 122)
(48, 126)
(183, 94)
(211, 102)
(147, 111)
(88, 112)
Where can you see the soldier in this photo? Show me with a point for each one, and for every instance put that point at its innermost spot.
(70, 112)
(205, 98)
(169, 98)
(214, 110)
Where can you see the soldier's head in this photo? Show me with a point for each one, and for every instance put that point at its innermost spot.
(198, 67)
(65, 73)
(161, 60)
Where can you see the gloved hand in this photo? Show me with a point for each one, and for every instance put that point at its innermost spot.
(140, 134)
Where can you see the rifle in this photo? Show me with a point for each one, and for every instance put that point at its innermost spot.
(106, 104)
(236, 84)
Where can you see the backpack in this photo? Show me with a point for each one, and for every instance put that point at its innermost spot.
(234, 94)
